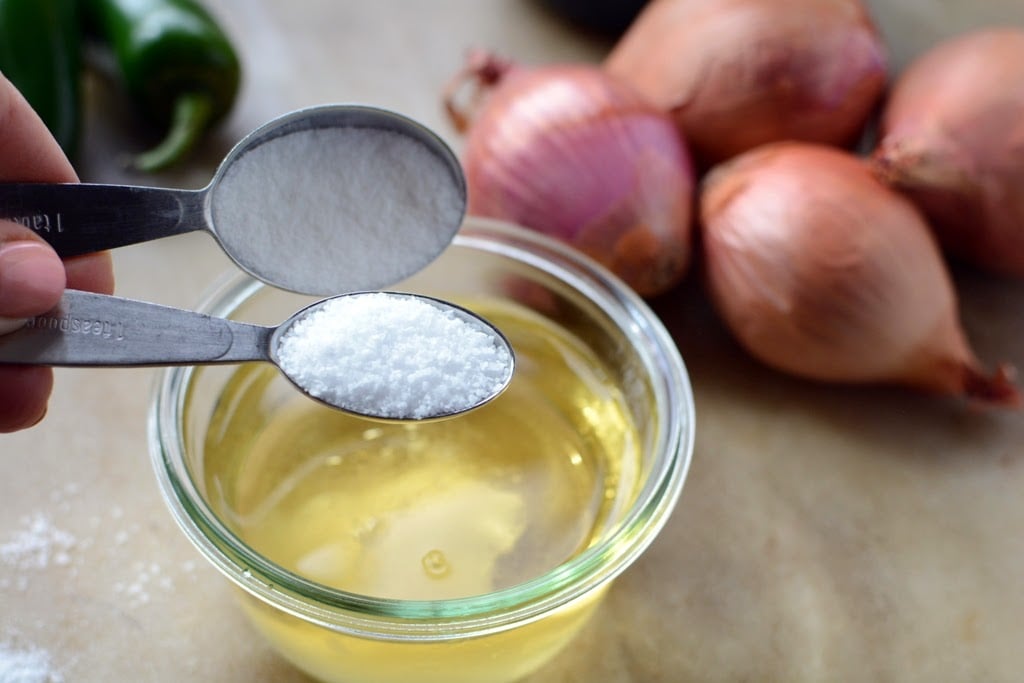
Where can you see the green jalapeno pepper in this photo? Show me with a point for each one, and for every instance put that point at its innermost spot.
(177, 65)
(40, 53)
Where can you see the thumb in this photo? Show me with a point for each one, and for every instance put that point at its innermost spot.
(32, 276)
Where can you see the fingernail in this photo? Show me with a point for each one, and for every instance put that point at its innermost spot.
(11, 324)
(31, 278)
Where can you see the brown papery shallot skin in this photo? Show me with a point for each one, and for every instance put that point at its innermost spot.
(952, 139)
(740, 73)
(569, 152)
(823, 272)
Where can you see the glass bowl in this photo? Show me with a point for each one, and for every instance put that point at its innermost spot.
(465, 550)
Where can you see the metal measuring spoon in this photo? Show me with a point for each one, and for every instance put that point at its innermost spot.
(319, 257)
(98, 330)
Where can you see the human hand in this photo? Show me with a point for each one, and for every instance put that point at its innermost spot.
(32, 276)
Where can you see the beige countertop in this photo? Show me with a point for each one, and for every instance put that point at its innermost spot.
(824, 533)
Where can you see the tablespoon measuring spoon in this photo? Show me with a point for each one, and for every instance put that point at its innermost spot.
(328, 199)
(98, 330)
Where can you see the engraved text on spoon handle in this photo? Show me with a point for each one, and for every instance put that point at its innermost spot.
(80, 218)
(88, 329)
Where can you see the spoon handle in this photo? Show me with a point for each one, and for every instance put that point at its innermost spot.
(87, 329)
(80, 218)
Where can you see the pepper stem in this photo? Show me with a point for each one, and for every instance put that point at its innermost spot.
(191, 115)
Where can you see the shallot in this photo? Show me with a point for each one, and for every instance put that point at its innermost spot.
(952, 139)
(568, 151)
(823, 272)
(740, 73)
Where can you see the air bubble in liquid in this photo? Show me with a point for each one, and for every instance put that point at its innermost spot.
(435, 564)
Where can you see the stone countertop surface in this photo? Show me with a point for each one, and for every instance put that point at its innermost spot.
(824, 533)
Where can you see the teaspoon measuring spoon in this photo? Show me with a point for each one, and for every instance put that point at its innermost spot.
(393, 192)
(98, 330)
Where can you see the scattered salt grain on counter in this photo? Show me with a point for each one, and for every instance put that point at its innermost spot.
(31, 665)
(143, 577)
(393, 356)
(37, 545)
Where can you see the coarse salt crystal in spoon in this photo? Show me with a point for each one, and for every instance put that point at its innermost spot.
(394, 356)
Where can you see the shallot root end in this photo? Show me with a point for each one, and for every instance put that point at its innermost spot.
(997, 389)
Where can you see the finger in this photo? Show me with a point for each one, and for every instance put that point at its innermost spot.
(32, 277)
(93, 273)
(30, 283)
(28, 153)
(24, 396)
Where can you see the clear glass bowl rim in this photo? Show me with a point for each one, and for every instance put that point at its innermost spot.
(460, 617)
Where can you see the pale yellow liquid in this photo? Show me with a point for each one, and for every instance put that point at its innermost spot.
(430, 510)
